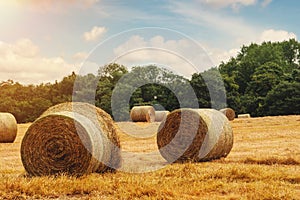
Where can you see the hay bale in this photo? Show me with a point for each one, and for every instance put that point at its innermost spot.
(8, 128)
(229, 113)
(244, 116)
(161, 115)
(71, 138)
(194, 135)
(142, 114)
(103, 121)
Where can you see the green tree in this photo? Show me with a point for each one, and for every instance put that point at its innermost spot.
(161, 86)
(151, 85)
(209, 88)
(256, 70)
(284, 99)
(84, 89)
(291, 51)
(28, 102)
(108, 76)
(201, 90)
(232, 94)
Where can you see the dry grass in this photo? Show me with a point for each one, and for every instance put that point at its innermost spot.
(263, 164)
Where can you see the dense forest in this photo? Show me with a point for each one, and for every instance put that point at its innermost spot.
(263, 79)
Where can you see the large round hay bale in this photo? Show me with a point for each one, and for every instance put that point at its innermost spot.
(194, 135)
(8, 128)
(142, 114)
(71, 138)
(229, 113)
(161, 115)
(104, 123)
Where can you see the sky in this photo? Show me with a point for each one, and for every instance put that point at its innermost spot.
(44, 40)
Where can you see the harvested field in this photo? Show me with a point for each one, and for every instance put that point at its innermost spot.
(264, 163)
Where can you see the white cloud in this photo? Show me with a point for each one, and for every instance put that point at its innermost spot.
(276, 35)
(80, 56)
(232, 29)
(21, 62)
(26, 48)
(267, 35)
(183, 56)
(271, 35)
(134, 52)
(95, 33)
(135, 41)
(219, 55)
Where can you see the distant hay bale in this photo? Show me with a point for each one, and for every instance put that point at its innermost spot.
(161, 115)
(244, 116)
(71, 138)
(194, 135)
(229, 113)
(142, 114)
(8, 128)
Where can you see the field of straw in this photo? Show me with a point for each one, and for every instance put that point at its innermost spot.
(263, 164)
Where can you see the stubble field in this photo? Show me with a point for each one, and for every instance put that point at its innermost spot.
(263, 164)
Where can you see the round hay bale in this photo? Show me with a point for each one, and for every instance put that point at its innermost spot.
(8, 128)
(244, 116)
(194, 135)
(161, 115)
(142, 114)
(71, 138)
(103, 121)
(229, 113)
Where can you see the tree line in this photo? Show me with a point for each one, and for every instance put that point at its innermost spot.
(263, 79)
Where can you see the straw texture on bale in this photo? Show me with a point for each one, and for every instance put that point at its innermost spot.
(194, 135)
(71, 138)
(229, 113)
(161, 115)
(8, 128)
(244, 116)
(142, 114)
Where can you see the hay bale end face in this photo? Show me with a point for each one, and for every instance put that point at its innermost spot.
(229, 113)
(8, 128)
(71, 138)
(142, 114)
(102, 121)
(244, 116)
(161, 115)
(194, 135)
